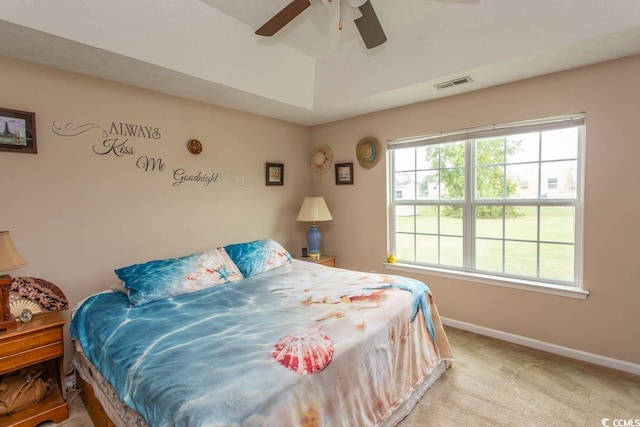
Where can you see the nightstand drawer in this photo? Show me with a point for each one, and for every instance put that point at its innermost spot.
(24, 342)
(30, 357)
(26, 349)
(28, 344)
(328, 260)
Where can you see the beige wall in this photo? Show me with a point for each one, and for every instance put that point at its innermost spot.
(76, 216)
(607, 322)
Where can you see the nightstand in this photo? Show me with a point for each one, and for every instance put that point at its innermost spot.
(328, 260)
(37, 341)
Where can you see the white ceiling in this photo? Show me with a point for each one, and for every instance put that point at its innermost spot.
(310, 72)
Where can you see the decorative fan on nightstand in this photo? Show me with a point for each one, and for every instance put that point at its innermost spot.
(31, 295)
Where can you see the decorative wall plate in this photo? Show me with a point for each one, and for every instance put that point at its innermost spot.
(194, 146)
(321, 159)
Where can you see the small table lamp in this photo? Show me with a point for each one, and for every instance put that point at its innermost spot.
(314, 209)
(10, 258)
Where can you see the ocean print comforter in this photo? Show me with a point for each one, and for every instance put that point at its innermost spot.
(301, 345)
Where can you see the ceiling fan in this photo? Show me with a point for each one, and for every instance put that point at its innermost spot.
(359, 11)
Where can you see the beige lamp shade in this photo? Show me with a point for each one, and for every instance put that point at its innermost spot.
(314, 209)
(10, 258)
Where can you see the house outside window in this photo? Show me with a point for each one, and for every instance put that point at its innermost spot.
(503, 201)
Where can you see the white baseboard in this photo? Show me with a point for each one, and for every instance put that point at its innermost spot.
(609, 362)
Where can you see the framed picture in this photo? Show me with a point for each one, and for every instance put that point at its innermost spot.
(17, 131)
(344, 173)
(274, 174)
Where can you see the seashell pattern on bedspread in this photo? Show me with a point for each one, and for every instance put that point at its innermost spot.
(305, 353)
(302, 344)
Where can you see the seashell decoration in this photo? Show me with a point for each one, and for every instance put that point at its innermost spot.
(304, 352)
(19, 305)
(309, 418)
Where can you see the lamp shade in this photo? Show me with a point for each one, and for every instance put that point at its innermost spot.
(10, 258)
(314, 209)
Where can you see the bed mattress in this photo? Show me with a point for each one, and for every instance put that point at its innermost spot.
(301, 345)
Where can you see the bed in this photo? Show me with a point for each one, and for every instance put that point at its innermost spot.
(246, 336)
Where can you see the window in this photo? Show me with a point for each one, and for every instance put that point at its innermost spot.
(505, 200)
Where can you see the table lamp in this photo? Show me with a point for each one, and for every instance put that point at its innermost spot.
(314, 209)
(10, 258)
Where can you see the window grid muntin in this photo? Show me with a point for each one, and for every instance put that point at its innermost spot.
(470, 202)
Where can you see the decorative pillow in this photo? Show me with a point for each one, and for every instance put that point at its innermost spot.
(119, 287)
(161, 279)
(258, 256)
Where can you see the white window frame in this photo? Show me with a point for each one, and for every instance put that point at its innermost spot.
(468, 272)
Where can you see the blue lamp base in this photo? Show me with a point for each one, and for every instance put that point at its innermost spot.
(314, 237)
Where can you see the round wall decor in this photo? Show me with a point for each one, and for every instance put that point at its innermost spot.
(321, 159)
(368, 152)
(194, 146)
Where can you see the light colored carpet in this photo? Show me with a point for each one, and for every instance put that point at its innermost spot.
(494, 383)
(78, 415)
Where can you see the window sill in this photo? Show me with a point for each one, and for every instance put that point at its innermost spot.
(545, 288)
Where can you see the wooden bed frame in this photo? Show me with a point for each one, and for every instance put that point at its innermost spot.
(93, 405)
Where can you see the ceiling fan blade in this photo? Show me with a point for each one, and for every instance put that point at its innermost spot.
(282, 18)
(369, 27)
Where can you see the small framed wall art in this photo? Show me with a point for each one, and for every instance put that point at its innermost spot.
(17, 131)
(274, 174)
(344, 173)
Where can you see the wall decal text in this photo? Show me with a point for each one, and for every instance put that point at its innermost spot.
(119, 141)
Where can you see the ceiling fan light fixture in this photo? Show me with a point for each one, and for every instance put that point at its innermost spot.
(356, 3)
(319, 7)
(348, 13)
